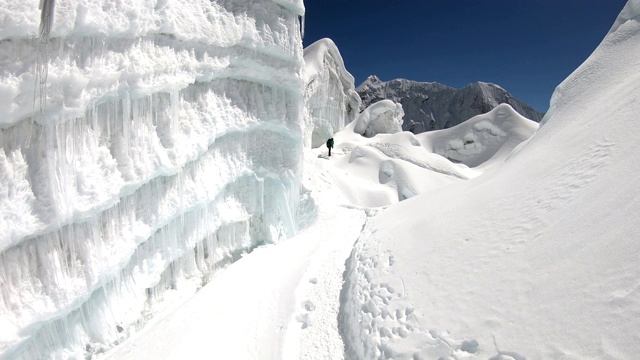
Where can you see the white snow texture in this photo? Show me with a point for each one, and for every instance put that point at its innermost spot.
(146, 144)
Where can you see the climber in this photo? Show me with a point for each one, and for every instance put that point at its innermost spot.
(330, 145)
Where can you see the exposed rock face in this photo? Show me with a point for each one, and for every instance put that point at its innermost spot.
(432, 106)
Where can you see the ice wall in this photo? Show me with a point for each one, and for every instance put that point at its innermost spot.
(143, 144)
(330, 97)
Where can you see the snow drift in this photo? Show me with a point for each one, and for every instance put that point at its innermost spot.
(387, 168)
(143, 144)
(541, 261)
(483, 140)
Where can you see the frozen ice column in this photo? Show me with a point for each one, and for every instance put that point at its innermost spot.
(142, 145)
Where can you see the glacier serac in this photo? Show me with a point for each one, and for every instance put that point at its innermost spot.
(383, 117)
(432, 106)
(144, 144)
(330, 97)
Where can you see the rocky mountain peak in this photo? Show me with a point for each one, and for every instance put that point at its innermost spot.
(432, 106)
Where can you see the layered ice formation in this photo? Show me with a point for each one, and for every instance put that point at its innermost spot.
(330, 97)
(143, 144)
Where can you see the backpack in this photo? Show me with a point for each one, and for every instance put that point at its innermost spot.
(330, 143)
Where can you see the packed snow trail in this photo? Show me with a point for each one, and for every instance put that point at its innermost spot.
(278, 302)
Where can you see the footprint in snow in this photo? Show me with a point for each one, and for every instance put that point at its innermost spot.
(308, 305)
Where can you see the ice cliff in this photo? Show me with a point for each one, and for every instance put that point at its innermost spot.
(432, 106)
(330, 97)
(143, 144)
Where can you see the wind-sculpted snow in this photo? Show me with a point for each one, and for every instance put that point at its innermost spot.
(535, 259)
(482, 140)
(433, 106)
(394, 167)
(330, 97)
(630, 11)
(144, 144)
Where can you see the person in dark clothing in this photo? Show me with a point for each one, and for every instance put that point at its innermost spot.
(330, 145)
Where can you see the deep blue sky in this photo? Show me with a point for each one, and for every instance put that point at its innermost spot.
(526, 46)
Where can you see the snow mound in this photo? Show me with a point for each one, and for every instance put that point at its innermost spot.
(541, 259)
(331, 101)
(383, 117)
(482, 140)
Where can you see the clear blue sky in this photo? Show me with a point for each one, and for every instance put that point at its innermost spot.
(526, 46)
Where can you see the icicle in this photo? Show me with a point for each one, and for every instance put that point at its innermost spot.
(47, 8)
(46, 22)
(46, 18)
(173, 127)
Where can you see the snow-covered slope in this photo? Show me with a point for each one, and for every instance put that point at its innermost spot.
(431, 106)
(535, 259)
(143, 144)
(331, 101)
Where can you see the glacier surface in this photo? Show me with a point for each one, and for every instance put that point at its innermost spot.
(147, 144)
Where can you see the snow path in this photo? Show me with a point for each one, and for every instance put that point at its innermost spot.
(279, 301)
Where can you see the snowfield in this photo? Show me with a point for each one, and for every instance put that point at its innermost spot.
(161, 214)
